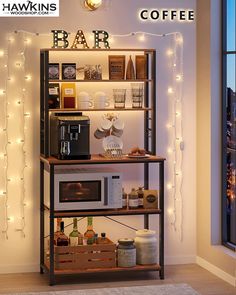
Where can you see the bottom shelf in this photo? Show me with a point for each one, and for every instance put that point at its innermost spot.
(153, 267)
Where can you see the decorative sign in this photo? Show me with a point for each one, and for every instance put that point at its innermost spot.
(182, 15)
(27, 8)
(60, 39)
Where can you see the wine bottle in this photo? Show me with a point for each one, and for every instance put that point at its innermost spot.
(57, 232)
(75, 235)
(62, 239)
(89, 234)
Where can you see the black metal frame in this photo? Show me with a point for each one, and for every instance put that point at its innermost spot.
(225, 53)
(149, 145)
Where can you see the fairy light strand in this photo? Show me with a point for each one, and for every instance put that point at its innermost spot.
(6, 195)
(23, 189)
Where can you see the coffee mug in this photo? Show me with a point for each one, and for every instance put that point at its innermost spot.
(84, 101)
(84, 105)
(99, 133)
(106, 124)
(101, 100)
(117, 127)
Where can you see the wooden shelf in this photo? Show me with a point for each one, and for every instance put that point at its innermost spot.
(108, 212)
(153, 267)
(97, 159)
(100, 81)
(102, 110)
(97, 49)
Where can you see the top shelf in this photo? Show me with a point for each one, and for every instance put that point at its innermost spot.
(98, 49)
(97, 159)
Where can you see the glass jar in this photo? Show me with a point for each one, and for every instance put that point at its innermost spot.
(133, 199)
(93, 72)
(140, 197)
(124, 198)
(146, 247)
(126, 253)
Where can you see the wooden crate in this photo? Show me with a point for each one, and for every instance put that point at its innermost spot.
(85, 257)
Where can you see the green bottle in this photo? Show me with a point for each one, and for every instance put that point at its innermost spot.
(75, 235)
(90, 233)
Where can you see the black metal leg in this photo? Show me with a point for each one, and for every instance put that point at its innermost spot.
(51, 269)
(146, 221)
(41, 217)
(161, 219)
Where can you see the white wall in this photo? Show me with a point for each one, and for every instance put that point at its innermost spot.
(121, 18)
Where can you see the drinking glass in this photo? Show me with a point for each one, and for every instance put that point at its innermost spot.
(119, 96)
(137, 91)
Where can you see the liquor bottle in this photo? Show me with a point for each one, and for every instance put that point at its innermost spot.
(62, 239)
(58, 230)
(140, 197)
(75, 236)
(89, 234)
(103, 239)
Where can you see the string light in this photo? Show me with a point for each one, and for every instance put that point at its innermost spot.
(169, 52)
(6, 166)
(175, 187)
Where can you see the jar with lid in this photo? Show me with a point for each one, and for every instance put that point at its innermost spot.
(146, 246)
(126, 253)
(140, 197)
(124, 198)
(133, 199)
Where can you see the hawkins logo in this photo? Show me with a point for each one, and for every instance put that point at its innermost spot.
(42, 8)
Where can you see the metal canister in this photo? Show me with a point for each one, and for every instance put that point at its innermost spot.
(126, 253)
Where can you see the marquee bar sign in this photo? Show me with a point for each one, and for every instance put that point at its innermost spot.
(60, 39)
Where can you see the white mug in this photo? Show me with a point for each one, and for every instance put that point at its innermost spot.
(101, 100)
(84, 105)
(106, 125)
(84, 101)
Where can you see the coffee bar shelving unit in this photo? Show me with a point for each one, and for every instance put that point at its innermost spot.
(50, 163)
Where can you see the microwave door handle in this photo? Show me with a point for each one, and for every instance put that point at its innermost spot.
(105, 191)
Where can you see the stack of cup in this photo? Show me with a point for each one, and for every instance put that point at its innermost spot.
(104, 129)
(84, 101)
(101, 100)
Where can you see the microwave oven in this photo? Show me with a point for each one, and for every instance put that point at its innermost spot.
(84, 189)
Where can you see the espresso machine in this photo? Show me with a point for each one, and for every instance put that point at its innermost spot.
(69, 136)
